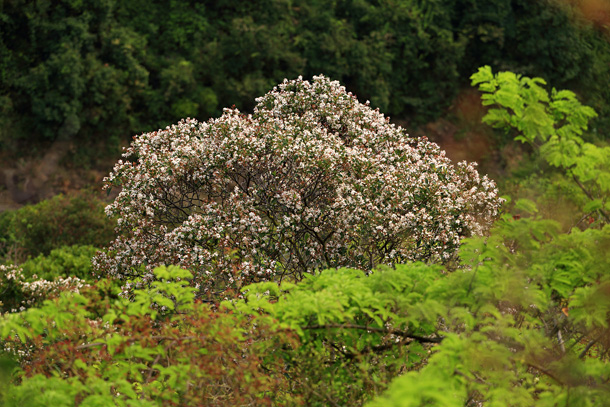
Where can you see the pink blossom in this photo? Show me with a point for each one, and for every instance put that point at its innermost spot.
(312, 179)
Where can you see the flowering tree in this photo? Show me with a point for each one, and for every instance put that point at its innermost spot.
(313, 179)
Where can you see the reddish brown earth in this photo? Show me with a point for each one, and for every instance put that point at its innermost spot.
(30, 180)
(596, 11)
(462, 135)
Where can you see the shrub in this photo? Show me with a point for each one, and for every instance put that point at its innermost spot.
(554, 124)
(313, 179)
(7, 240)
(63, 262)
(59, 221)
(18, 292)
(26, 285)
(89, 349)
(523, 323)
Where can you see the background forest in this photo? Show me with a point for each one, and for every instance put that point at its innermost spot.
(519, 316)
(104, 70)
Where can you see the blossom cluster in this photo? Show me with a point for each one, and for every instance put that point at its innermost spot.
(312, 179)
(24, 293)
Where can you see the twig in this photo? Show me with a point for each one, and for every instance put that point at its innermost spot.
(152, 370)
(584, 352)
(560, 340)
(158, 338)
(545, 372)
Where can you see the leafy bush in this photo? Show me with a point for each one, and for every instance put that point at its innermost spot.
(19, 292)
(88, 349)
(60, 221)
(524, 321)
(8, 248)
(63, 262)
(313, 179)
(358, 331)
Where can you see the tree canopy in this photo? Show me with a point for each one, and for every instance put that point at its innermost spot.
(103, 70)
(313, 179)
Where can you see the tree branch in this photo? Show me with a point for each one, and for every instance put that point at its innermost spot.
(586, 350)
(546, 372)
(582, 187)
(157, 338)
(397, 332)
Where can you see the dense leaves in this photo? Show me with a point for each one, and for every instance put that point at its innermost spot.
(89, 349)
(33, 281)
(517, 326)
(554, 124)
(524, 322)
(93, 70)
(63, 220)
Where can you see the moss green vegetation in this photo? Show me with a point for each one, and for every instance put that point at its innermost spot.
(64, 261)
(47, 247)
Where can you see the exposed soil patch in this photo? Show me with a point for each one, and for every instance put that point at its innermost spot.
(462, 135)
(37, 178)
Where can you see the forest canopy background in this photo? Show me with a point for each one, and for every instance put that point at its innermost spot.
(103, 70)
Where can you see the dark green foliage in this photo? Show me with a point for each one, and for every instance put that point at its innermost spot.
(402, 55)
(6, 241)
(67, 70)
(91, 69)
(543, 37)
(61, 221)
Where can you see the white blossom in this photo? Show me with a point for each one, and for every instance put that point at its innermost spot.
(313, 179)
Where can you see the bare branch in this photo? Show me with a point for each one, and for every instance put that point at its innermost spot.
(397, 332)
